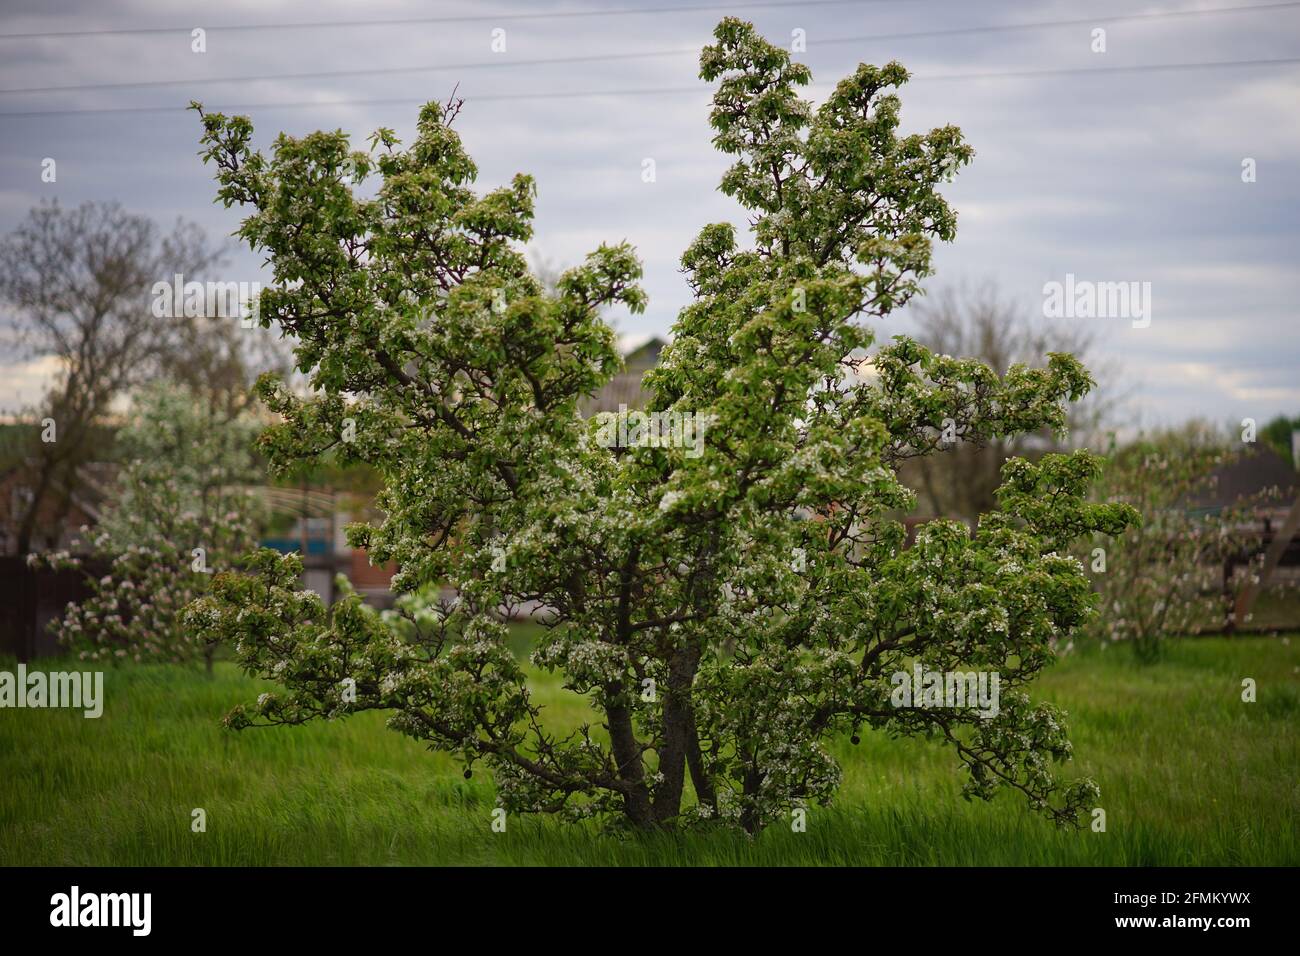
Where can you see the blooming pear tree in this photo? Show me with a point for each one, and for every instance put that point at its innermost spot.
(177, 515)
(725, 609)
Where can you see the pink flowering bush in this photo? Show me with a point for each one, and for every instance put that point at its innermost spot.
(176, 515)
(1164, 578)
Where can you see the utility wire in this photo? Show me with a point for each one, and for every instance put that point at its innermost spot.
(467, 18)
(500, 62)
(664, 91)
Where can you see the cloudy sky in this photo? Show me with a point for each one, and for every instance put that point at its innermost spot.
(1123, 165)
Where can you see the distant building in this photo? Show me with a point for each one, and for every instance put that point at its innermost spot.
(317, 533)
(1257, 472)
(372, 582)
(62, 513)
(1270, 537)
(625, 387)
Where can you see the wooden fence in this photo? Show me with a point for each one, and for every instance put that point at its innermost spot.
(30, 599)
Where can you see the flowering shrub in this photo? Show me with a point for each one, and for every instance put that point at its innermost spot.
(175, 516)
(724, 613)
(1164, 578)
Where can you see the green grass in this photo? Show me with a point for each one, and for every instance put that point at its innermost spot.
(1190, 775)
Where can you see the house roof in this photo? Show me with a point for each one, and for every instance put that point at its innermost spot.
(1250, 473)
(625, 387)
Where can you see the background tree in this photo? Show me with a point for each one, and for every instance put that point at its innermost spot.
(77, 284)
(980, 322)
(179, 512)
(218, 361)
(716, 632)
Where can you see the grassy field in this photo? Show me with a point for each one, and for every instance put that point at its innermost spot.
(1190, 775)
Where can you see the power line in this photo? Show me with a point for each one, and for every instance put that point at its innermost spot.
(467, 18)
(1140, 68)
(374, 71)
(499, 63)
(1076, 22)
(662, 91)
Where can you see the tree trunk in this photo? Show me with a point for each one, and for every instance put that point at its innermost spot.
(749, 817)
(695, 760)
(678, 727)
(28, 526)
(627, 753)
